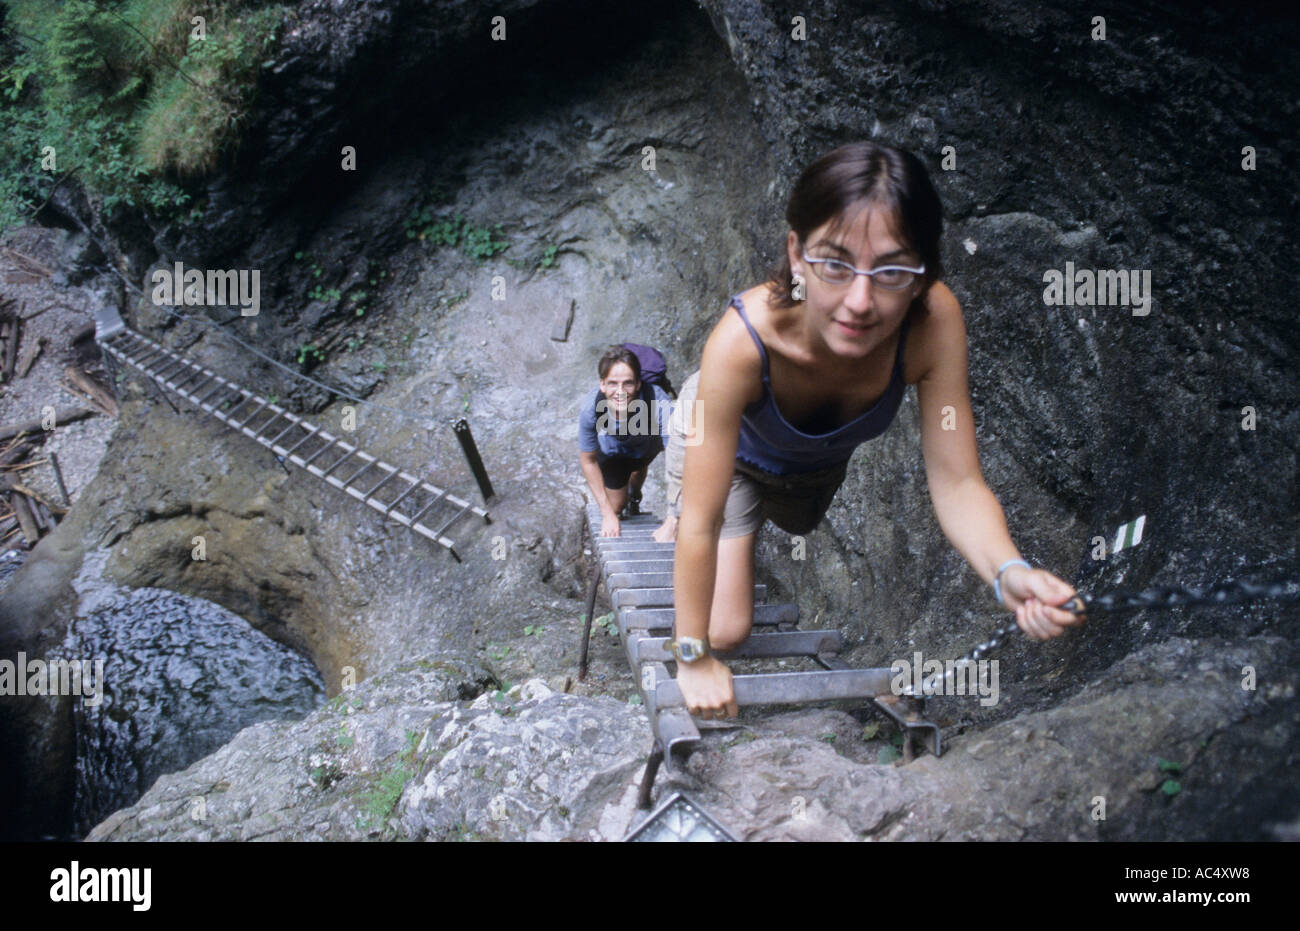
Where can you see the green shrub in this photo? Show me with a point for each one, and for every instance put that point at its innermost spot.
(131, 102)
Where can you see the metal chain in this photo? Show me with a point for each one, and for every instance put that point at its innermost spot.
(1162, 596)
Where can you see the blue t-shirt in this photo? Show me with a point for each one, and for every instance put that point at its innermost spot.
(640, 436)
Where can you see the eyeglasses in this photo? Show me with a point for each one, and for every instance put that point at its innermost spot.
(889, 277)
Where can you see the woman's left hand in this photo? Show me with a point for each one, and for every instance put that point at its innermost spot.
(1033, 594)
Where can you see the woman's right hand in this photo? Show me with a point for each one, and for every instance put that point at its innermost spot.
(610, 526)
(706, 688)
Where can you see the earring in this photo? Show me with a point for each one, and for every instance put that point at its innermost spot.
(797, 290)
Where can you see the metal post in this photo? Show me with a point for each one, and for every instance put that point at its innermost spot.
(461, 428)
(586, 628)
(648, 780)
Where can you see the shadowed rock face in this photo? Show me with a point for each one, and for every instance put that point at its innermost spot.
(1124, 153)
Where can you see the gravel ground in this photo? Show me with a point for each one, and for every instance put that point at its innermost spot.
(80, 446)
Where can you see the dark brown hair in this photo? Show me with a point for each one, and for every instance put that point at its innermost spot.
(613, 356)
(844, 181)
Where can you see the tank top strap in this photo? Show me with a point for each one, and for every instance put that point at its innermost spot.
(737, 303)
(902, 342)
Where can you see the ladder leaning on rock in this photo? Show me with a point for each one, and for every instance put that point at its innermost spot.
(291, 438)
(638, 574)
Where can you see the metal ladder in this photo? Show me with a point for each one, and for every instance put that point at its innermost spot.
(638, 575)
(290, 437)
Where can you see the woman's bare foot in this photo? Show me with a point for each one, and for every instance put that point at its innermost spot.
(667, 531)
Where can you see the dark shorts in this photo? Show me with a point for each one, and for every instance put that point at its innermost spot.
(617, 470)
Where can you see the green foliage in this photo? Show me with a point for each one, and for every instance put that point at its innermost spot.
(1171, 787)
(122, 96)
(1168, 766)
(533, 630)
(477, 242)
(343, 738)
(605, 622)
(378, 803)
(548, 257)
(317, 293)
(309, 356)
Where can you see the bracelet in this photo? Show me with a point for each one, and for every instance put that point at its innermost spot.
(997, 579)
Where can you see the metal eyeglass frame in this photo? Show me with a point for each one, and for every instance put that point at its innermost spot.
(857, 271)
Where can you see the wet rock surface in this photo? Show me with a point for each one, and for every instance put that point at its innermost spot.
(1124, 153)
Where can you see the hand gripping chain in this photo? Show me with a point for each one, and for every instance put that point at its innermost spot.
(1162, 596)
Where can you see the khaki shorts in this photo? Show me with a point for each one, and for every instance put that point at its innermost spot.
(795, 503)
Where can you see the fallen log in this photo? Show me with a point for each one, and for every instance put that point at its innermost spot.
(25, 519)
(61, 416)
(11, 349)
(27, 263)
(16, 452)
(28, 355)
(98, 394)
(35, 496)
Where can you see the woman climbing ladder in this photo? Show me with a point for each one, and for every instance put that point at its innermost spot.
(812, 363)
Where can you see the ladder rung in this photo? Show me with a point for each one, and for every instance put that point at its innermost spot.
(382, 482)
(354, 475)
(451, 520)
(244, 423)
(257, 434)
(398, 500)
(289, 452)
(328, 444)
(628, 581)
(420, 513)
(292, 423)
(769, 645)
(152, 354)
(220, 384)
(662, 618)
(158, 374)
(195, 370)
(244, 398)
(784, 688)
(337, 462)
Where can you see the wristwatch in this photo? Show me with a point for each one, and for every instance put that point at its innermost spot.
(689, 649)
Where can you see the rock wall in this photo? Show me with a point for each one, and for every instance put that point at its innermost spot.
(1117, 153)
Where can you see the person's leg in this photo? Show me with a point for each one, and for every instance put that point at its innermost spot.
(732, 614)
(637, 479)
(615, 471)
(617, 498)
(674, 457)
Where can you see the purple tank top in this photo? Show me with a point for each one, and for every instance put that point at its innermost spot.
(769, 442)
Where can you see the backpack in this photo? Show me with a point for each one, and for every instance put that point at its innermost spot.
(654, 369)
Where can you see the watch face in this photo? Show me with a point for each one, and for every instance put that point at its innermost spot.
(689, 649)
